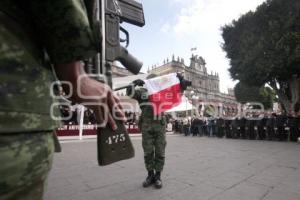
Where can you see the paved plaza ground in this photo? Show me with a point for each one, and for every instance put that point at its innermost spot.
(197, 168)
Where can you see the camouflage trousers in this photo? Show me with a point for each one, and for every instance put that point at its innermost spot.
(26, 159)
(154, 144)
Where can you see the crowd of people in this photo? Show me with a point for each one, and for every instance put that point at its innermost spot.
(263, 126)
(266, 126)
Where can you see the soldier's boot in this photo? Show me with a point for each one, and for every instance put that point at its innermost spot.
(149, 180)
(157, 181)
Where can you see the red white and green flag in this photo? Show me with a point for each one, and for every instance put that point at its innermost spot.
(164, 92)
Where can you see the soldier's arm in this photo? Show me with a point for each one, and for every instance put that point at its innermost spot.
(86, 89)
(65, 33)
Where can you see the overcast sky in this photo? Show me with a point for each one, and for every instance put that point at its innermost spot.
(176, 26)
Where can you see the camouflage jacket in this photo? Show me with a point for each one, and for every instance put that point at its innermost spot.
(147, 116)
(34, 35)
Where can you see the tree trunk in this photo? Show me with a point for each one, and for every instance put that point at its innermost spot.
(294, 90)
(288, 102)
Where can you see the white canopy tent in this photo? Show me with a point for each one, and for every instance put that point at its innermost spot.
(183, 106)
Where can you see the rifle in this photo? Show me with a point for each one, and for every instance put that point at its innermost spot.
(107, 15)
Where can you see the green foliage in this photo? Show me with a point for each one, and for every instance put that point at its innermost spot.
(264, 45)
(268, 97)
(264, 95)
(244, 93)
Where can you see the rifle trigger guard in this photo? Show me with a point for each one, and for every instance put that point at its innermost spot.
(127, 36)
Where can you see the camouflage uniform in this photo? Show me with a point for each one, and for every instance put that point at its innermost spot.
(34, 34)
(153, 130)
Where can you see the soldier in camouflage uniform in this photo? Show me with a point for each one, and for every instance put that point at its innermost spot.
(153, 130)
(34, 35)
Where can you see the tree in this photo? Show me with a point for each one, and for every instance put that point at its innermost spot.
(245, 94)
(269, 97)
(264, 48)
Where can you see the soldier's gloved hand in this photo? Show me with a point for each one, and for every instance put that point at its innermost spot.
(183, 83)
(180, 77)
(138, 82)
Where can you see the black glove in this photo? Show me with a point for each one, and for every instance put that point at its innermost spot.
(180, 77)
(138, 82)
(183, 83)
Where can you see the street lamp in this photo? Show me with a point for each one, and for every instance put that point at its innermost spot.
(192, 95)
(186, 100)
(195, 98)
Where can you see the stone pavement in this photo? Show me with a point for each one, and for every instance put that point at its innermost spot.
(197, 168)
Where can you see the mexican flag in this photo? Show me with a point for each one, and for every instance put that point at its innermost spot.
(164, 92)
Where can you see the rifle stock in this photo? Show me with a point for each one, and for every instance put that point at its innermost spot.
(114, 146)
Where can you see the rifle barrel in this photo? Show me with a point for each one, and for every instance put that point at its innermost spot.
(123, 87)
